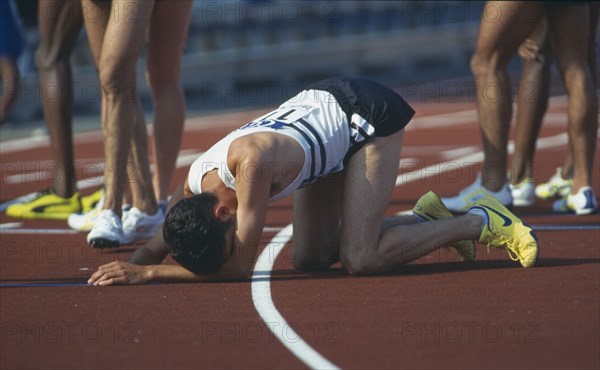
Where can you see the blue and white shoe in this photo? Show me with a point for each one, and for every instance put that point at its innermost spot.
(138, 225)
(582, 203)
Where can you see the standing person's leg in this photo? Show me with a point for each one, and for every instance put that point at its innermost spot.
(59, 22)
(9, 80)
(561, 182)
(532, 103)
(116, 46)
(571, 42)
(166, 40)
(594, 13)
(12, 43)
(504, 26)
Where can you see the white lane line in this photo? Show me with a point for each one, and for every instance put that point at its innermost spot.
(261, 296)
(268, 229)
(228, 120)
(38, 231)
(565, 227)
(236, 118)
(14, 228)
(474, 158)
(10, 225)
(182, 161)
(443, 120)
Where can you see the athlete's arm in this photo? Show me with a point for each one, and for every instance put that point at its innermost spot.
(253, 184)
(253, 181)
(124, 273)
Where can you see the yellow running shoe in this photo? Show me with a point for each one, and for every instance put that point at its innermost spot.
(555, 187)
(430, 207)
(89, 202)
(46, 206)
(502, 229)
(85, 221)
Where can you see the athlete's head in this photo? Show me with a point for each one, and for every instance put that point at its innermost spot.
(195, 236)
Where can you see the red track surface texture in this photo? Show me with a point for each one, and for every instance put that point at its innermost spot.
(434, 313)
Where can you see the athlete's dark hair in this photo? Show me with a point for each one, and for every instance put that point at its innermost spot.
(194, 236)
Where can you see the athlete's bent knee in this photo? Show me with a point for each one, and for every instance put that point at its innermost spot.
(310, 265)
(357, 267)
(303, 262)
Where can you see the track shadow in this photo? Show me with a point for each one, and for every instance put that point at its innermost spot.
(37, 282)
(421, 269)
(336, 272)
(119, 250)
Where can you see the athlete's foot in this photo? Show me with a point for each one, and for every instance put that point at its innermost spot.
(89, 202)
(85, 221)
(467, 197)
(502, 229)
(557, 186)
(46, 205)
(138, 225)
(107, 231)
(523, 193)
(428, 208)
(581, 203)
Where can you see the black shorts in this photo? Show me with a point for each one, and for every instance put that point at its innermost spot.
(379, 105)
(383, 109)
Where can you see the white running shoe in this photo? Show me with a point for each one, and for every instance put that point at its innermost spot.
(523, 193)
(555, 187)
(85, 221)
(467, 197)
(107, 231)
(137, 225)
(581, 203)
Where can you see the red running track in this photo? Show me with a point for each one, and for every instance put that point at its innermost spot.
(433, 313)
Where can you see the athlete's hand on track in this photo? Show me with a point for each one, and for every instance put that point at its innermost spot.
(119, 273)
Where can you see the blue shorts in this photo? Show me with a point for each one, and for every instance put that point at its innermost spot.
(12, 41)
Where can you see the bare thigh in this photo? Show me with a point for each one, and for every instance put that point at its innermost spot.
(504, 26)
(370, 179)
(166, 39)
(317, 214)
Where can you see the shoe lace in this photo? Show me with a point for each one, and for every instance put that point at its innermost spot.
(132, 218)
(509, 246)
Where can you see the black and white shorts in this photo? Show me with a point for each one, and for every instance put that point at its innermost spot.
(373, 110)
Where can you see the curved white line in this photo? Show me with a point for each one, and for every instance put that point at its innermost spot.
(261, 287)
(261, 296)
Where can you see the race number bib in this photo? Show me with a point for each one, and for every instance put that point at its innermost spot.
(281, 117)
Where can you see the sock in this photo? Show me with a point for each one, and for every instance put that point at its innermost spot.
(481, 213)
